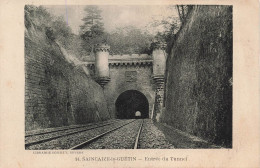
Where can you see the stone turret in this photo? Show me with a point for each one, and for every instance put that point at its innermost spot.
(101, 63)
(159, 63)
(159, 58)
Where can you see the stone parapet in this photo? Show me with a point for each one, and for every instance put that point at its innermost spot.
(130, 57)
(122, 63)
(130, 63)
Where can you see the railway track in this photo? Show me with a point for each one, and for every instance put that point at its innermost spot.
(63, 129)
(74, 130)
(88, 142)
(138, 135)
(120, 134)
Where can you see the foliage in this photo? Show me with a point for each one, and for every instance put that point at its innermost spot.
(92, 31)
(124, 40)
(129, 40)
(183, 11)
(169, 26)
(40, 20)
(36, 17)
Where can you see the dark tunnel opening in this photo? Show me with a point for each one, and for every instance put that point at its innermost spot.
(129, 102)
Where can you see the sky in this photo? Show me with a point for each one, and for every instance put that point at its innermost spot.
(115, 16)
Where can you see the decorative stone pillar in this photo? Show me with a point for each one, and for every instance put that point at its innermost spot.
(159, 63)
(101, 64)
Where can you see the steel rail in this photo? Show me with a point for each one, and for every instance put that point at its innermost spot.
(64, 129)
(81, 145)
(138, 135)
(71, 133)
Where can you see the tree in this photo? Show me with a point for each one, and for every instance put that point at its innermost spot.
(92, 30)
(183, 11)
(167, 28)
(38, 19)
(129, 40)
(170, 26)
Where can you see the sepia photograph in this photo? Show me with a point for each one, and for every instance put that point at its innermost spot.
(128, 76)
(129, 84)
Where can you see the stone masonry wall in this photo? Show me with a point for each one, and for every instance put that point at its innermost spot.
(56, 92)
(129, 77)
(199, 76)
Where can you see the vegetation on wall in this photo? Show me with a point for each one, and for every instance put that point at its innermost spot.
(123, 40)
(199, 76)
(40, 24)
(40, 20)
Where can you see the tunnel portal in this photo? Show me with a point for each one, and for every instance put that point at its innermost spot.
(129, 102)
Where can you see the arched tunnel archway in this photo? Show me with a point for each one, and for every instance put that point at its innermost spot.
(129, 102)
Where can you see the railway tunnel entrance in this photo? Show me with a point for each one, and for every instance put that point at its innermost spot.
(131, 103)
